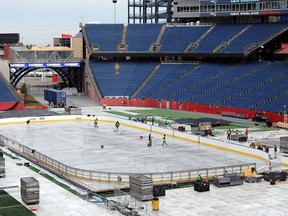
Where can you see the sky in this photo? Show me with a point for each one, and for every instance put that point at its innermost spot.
(38, 21)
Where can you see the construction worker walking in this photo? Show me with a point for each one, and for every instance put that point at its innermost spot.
(150, 140)
(117, 125)
(96, 123)
(164, 140)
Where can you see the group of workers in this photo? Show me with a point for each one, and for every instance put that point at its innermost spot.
(150, 140)
(229, 132)
(264, 148)
(117, 125)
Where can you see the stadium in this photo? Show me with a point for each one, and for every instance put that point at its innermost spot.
(222, 60)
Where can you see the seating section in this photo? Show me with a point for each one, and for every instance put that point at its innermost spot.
(106, 36)
(124, 83)
(163, 78)
(236, 38)
(140, 37)
(176, 39)
(264, 81)
(6, 95)
(226, 84)
(220, 35)
(260, 85)
(253, 36)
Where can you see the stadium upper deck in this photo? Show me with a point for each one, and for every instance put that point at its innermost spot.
(188, 40)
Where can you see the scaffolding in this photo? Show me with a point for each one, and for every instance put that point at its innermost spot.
(150, 11)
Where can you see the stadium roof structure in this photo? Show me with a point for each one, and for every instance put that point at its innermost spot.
(50, 48)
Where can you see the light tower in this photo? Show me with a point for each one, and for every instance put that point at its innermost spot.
(114, 2)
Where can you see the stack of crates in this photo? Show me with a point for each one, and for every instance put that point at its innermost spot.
(30, 190)
(141, 187)
(284, 144)
(2, 166)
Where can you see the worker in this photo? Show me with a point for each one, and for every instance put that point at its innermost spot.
(229, 134)
(237, 135)
(246, 132)
(150, 140)
(164, 140)
(117, 125)
(96, 123)
(275, 151)
(267, 149)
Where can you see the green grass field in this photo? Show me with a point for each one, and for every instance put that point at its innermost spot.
(11, 207)
(172, 115)
(169, 114)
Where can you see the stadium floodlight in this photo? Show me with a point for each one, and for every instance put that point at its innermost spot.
(114, 2)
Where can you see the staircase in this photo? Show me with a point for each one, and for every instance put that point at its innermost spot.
(222, 46)
(201, 82)
(156, 46)
(146, 80)
(193, 46)
(173, 81)
(123, 46)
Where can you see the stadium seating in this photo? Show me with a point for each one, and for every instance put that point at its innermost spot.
(253, 36)
(176, 39)
(106, 36)
(164, 78)
(124, 83)
(270, 77)
(135, 40)
(239, 77)
(220, 34)
(6, 95)
(200, 76)
(222, 38)
(245, 84)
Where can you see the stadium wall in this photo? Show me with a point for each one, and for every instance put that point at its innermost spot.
(11, 105)
(89, 88)
(174, 105)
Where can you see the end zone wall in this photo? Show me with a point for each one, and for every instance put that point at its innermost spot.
(175, 105)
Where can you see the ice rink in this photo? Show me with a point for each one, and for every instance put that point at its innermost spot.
(78, 143)
(81, 145)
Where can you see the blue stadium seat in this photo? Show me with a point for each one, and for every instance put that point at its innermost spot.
(253, 36)
(220, 34)
(107, 36)
(130, 77)
(140, 37)
(6, 95)
(177, 38)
